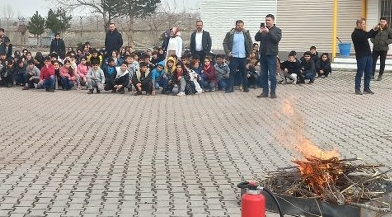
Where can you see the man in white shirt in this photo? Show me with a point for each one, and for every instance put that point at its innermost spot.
(200, 42)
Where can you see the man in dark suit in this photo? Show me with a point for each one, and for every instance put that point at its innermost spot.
(200, 42)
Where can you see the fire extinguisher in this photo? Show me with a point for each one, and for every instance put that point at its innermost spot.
(252, 201)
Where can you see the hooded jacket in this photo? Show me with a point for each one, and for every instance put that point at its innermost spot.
(156, 75)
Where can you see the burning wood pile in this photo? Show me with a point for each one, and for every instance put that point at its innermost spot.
(332, 180)
(323, 176)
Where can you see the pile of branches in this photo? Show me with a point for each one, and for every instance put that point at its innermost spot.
(332, 180)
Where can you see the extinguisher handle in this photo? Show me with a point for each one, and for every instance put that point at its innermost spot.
(244, 184)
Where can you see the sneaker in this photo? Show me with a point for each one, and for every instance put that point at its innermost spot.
(311, 81)
(262, 95)
(138, 93)
(181, 94)
(98, 91)
(294, 81)
(213, 89)
(379, 78)
(358, 92)
(25, 88)
(368, 91)
(284, 81)
(273, 95)
(90, 91)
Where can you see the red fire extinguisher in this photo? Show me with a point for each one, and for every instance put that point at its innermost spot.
(253, 202)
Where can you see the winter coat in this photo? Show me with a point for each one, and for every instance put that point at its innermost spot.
(35, 71)
(382, 39)
(228, 42)
(46, 72)
(82, 70)
(292, 67)
(64, 72)
(222, 71)
(58, 46)
(6, 49)
(269, 42)
(136, 78)
(361, 43)
(210, 74)
(156, 75)
(113, 41)
(98, 75)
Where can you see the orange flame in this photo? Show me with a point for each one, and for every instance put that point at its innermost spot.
(321, 167)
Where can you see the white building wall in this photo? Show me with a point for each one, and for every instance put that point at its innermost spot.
(219, 16)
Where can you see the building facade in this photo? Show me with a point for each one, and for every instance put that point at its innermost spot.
(303, 23)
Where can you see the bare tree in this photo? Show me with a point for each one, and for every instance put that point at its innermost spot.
(8, 13)
(97, 7)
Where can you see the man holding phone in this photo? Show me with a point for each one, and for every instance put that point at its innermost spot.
(381, 41)
(269, 36)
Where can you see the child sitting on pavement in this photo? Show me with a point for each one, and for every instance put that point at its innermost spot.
(290, 69)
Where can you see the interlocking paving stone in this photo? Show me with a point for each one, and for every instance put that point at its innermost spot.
(73, 154)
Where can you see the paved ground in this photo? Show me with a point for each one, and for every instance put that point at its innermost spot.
(73, 154)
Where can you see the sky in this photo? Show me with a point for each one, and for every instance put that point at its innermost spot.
(27, 8)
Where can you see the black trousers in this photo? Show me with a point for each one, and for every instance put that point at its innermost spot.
(146, 86)
(383, 56)
(201, 55)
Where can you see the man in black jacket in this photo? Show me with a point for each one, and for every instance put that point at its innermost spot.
(200, 42)
(57, 46)
(363, 55)
(113, 40)
(269, 36)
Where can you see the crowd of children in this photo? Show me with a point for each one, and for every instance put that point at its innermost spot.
(147, 71)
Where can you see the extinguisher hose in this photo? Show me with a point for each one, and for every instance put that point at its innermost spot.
(276, 201)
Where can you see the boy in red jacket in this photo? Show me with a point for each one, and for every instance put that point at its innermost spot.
(46, 77)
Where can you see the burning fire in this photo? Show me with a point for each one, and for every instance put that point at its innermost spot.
(320, 167)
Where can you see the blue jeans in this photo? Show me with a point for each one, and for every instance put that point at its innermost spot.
(240, 64)
(268, 71)
(48, 83)
(19, 78)
(203, 78)
(222, 83)
(364, 64)
(67, 84)
(309, 75)
(164, 82)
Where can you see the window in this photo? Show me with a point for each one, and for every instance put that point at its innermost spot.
(386, 10)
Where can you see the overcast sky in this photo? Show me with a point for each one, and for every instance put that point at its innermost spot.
(27, 8)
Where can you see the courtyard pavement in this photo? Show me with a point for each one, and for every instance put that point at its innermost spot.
(72, 154)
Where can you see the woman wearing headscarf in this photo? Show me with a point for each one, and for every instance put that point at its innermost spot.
(175, 43)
